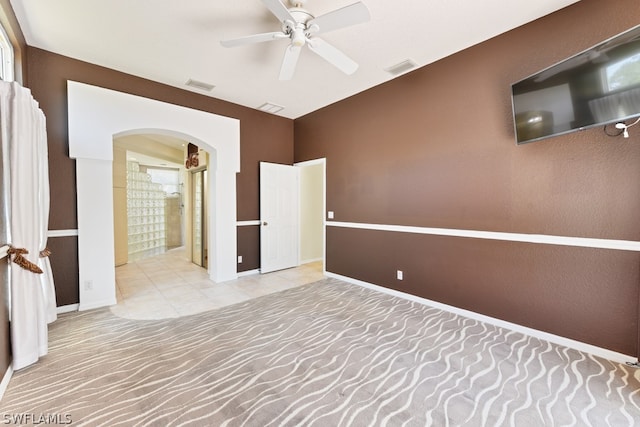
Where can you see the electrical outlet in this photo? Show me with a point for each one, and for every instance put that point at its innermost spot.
(239, 259)
(88, 285)
(399, 275)
(330, 214)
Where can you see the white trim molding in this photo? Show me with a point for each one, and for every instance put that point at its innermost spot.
(249, 272)
(62, 233)
(586, 242)
(246, 223)
(556, 339)
(313, 162)
(67, 308)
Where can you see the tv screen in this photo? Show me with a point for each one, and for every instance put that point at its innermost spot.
(596, 87)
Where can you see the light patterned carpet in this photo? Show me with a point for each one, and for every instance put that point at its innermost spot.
(324, 354)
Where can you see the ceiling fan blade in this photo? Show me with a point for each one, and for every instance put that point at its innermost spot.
(279, 10)
(356, 13)
(332, 55)
(255, 38)
(289, 62)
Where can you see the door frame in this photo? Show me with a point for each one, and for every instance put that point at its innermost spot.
(203, 212)
(320, 161)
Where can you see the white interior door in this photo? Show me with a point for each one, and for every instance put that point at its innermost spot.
(279, 217)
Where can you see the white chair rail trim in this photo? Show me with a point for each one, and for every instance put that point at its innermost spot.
(587, 242)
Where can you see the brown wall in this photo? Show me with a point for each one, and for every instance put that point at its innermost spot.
(436, 148)
(433, 148)
(262, 137)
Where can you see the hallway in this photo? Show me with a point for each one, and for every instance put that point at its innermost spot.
(168, 285)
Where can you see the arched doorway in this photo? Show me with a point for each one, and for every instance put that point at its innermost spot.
(96, 116)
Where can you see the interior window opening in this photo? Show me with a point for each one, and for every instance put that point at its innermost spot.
(6, 57)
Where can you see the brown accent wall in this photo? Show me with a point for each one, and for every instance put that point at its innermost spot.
(581, 293)
(247, 235)
(263, 137)
(64, 266)
(436, 148)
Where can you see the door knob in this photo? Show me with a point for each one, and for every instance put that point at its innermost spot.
(265, 223)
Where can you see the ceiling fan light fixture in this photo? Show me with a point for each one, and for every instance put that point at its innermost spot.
(298, 38)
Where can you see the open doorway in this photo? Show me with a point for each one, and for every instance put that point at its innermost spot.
(148, 181)
(199, 250)
(292, 205)
(96, 115)
(161, 202)
(312, 210)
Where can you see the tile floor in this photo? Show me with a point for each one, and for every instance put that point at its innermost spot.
(169, 285)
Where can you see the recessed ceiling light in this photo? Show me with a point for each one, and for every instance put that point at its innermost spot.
(200, 85)
(401, 67)
(270, 107)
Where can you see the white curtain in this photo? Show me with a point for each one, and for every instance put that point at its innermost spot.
(32, 295)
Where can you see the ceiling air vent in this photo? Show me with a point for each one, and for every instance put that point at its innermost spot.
(401, 67)
(200, 85)
(270, 107)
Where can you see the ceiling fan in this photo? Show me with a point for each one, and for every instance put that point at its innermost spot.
(300, 27)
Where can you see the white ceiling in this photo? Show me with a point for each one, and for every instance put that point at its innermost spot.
(171, 41)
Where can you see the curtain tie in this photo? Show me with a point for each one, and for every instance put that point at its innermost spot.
(45, 252)
(22, 261)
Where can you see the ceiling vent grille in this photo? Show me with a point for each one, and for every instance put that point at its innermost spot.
(401, 67)
(270, 107)
(200, 85)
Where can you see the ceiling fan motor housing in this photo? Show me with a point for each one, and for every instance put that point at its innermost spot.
(300, 15)
(298, 30)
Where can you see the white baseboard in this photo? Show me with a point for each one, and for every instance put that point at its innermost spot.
(556, 339)
(249, 272)
(67, 308)
(97, 304)
(5, 381)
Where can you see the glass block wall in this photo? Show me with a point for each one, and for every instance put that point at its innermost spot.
(145, 214)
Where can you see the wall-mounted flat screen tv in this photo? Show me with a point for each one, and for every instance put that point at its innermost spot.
(596, 87)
